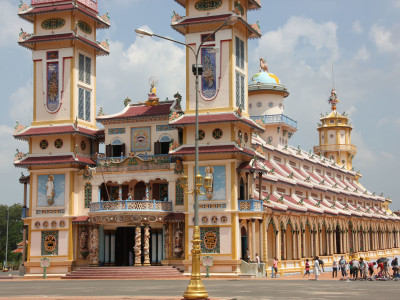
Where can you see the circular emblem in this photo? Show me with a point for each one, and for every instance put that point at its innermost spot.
(54, 224)
(105, 219)
(152, 218)
(246, 137)
(62, 224)
(217, 133)
(204, 220)
(210, 240)
(83, 145)
(202, 134)
(37, 225)
(224, 219)
(58, 143)
(45, 224)
(50, 243)
(120, 218)
(54, 23)
(214, 220)
(85, 27)
(44, 144)
(136, 218)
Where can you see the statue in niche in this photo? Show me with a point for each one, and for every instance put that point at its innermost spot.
(178, 237)
(50, 193)
(210, 173)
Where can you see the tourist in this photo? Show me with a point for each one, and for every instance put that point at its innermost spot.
(395, 267)
(307, 265)
(356, 267)
(351, 268)
(321, 265)
(362, 268)
(371, 269)
(316, 267)
(342, 265)
(247, 258)
(334, 268)
(258, 263)
(275, 267)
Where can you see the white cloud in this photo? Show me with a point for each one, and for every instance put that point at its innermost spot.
(21, 103)
(385, 39)
(11, 24)
(396, 3)
(356, 27)
(127, 70)
(362, 54)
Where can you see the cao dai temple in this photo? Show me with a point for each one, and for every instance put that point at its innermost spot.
(127, 207)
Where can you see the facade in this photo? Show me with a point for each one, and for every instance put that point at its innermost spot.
(126, 207)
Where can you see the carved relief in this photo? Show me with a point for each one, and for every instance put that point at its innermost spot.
(166, 243)
(94, 246)
(137, 247)
(178, 241)
(146, 248)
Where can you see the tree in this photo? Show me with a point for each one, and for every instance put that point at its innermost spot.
(15, 226)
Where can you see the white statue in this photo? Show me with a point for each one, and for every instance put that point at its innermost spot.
(50, 190)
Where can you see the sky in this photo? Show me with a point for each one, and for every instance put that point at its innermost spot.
(301, 40)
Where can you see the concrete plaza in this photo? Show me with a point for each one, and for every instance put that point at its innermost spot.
(217, 289)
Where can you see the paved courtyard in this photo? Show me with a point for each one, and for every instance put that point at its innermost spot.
(217, 289)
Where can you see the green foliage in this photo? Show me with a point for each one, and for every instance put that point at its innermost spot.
(14, 233)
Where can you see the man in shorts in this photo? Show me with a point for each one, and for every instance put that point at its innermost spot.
(342, 265)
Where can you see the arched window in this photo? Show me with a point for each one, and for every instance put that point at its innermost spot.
(88, 194)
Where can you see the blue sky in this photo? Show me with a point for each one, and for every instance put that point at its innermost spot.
(300, 40)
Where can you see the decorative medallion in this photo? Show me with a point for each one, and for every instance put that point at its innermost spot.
(120, 218)
(62, 224)
(204, 220)
(152, 218)
(44, 144)
(58, 143)
(85, 27)
(37, 225)
(246, 137)
(49, 242)
(202, 134)
(52, 55)
(210, 239)
(214, 220)
(240, 135)
(54, 23)
(178, 166)
(217, 133)
(136, 218)
(208, 4)
(83, 145)
(224, 219)
(54, 224)
(45, 224)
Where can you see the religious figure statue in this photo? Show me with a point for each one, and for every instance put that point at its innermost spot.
(263, 65)
(210, 173)
(152, 100)
(50, 190)
(178, 249)
(146, 248)
(94, 247)
(166, 241)
(136, 248)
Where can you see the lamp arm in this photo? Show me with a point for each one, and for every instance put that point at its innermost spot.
(174, 41)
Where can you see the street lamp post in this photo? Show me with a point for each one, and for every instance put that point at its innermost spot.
(8, 218)
(195, 289)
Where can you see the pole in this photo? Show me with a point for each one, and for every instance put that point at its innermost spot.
(8, 218)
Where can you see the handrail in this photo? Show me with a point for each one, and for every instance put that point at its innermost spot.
(131, 205)
(278, 118)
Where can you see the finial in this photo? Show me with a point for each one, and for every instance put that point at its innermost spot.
(333, 100)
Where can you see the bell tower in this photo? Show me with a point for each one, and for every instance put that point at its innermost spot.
(223, 84)
(63, 136)
(335, 136)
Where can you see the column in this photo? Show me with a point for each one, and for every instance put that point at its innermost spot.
(277, 245)
(107, 249)
(24, 235)
(249, 238)
(260, 183)
(265, 243)
(319, 243)
(260, 233)
(299, 242)
(334, 250)
(253, 239)
(283, 237)
(138, 245)
(312, 244)
(328, 242)
(94, 246)
(99, 194)
(294, 245)
(146, 248)
(240, 239)
(112, 248)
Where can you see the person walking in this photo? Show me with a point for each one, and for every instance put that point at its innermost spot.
(395, 267)
(316, 267)
(307, 265)
(275, 267)
(334, 268)
(362, 268)
(247, 255)
(371, 269)
(356, 267)
(342, 265)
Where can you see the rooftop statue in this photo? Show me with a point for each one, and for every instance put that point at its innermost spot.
(263, 65)
(152, 100)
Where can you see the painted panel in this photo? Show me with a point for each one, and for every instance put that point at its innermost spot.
(51, 190)
(210, 240)
(141, 139)
(218, 182)
(53, 98)
(116, 131)
(49, 243)
(209, 78)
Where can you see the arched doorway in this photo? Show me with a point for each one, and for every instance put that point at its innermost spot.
(140, 191)
(324, 241)
(350, 237)
(242, 190)
(338, 244)
(244, 242)
(289, 242)
(371, 239)
(271, 242)
(307, 242)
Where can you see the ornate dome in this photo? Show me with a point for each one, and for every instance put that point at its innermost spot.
(264, 78)
(268, 82)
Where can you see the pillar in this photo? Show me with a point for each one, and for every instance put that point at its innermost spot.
(138, 245)
(249, 238)
(24, 235)
(299, 241)
(277, 245)
(334, 250)
(253, 238)
(146, 248)
(112, 248)
(107, 249)
(260, 183)
(265, 243)
(120, 193)
(294, 245)
(260, 233)
(312, 244)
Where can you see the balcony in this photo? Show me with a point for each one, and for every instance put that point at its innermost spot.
(131, 205)
(335, 147)
(276, 119)
(250, 205)
(135, 163)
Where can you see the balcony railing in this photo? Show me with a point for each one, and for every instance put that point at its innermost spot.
(335, 147)
(149, 162)
(271, 119)
(250, 205)
(131, 205)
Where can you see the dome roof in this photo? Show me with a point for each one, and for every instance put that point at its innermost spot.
(264, 78)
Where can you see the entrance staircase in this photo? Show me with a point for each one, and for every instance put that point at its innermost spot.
(156, 272)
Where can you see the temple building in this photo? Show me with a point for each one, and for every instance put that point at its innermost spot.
(129, 206)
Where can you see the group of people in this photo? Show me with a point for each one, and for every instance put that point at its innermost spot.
(355, 268)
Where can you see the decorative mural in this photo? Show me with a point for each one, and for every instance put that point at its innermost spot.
(53, 98)
(51, 190)
(88, 194)
(179, 197)
(210, 240)
(116, 131)
(49, 242)
(141, 139)
(209, 78)
(218, 185)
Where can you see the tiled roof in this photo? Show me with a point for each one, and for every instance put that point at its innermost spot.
(57, 130)
(54, 160)
(213, 149)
